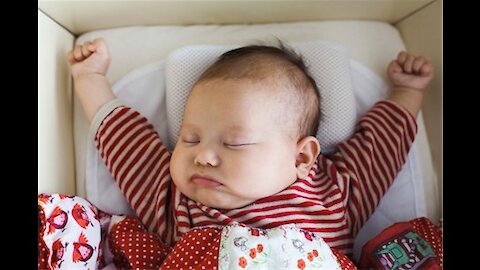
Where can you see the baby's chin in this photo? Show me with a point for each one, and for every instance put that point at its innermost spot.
(222, 201)
(221, 198)
(226, 206)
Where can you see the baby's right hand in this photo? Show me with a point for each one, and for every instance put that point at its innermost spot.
(90, 58)
(410, 71)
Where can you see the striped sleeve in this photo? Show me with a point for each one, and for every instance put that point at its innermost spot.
(139, 163)
(369, 161)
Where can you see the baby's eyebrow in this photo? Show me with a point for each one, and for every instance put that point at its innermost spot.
(189, 126)
(236, 127)
(239, 129)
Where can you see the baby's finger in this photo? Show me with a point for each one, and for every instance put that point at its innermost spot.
(426, 70)
(77, 53)
(85, 51)
(418, 63)
(99, 45)
(407, 67)
(71, 58)
(402, 56)
(394, 67)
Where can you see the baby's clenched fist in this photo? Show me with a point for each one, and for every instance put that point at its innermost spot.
(92, 57)
(410, 71)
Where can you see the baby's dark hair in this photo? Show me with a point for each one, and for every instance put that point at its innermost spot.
(260, 62)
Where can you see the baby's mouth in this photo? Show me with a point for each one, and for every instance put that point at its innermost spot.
(205, 181)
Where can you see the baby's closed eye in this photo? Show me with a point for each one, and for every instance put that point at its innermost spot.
(190, 139)
(238, 145)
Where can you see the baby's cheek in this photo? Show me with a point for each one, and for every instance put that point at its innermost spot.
(176, 176)
(174, 167)
(255, 177)
(178, 172)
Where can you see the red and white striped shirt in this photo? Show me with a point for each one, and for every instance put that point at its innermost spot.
(335, 200)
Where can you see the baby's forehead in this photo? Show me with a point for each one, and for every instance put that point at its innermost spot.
(271, 91)
(272, 84)
(270, 98)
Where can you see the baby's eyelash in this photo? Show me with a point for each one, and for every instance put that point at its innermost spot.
(193, 141)
(237, 145)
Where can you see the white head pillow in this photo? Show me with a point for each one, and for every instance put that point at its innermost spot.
(327, 62)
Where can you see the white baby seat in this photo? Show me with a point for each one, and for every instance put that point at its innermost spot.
(348, 89)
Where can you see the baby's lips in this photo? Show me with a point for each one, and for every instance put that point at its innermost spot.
(205, 181)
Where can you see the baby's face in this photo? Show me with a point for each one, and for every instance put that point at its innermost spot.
(232, 149)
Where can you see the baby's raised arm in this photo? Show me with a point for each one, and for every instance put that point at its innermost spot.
(128, 144)
(89, 64)
(368, 163)
(410, 76)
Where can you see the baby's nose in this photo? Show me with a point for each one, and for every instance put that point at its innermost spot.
(207, 157)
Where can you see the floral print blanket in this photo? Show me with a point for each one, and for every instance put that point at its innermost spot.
(74, 234)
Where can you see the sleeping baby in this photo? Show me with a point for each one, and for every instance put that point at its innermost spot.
(246, 184)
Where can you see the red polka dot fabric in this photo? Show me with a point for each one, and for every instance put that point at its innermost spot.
(133, 247)
(344, 261)
(198, 249)
(432, 233)
(42, 248)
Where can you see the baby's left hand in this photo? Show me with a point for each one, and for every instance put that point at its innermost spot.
(410, 71)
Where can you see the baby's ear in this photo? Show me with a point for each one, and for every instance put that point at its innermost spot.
(308, 150)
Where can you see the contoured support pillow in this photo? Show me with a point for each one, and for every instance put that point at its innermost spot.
(327, 62)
